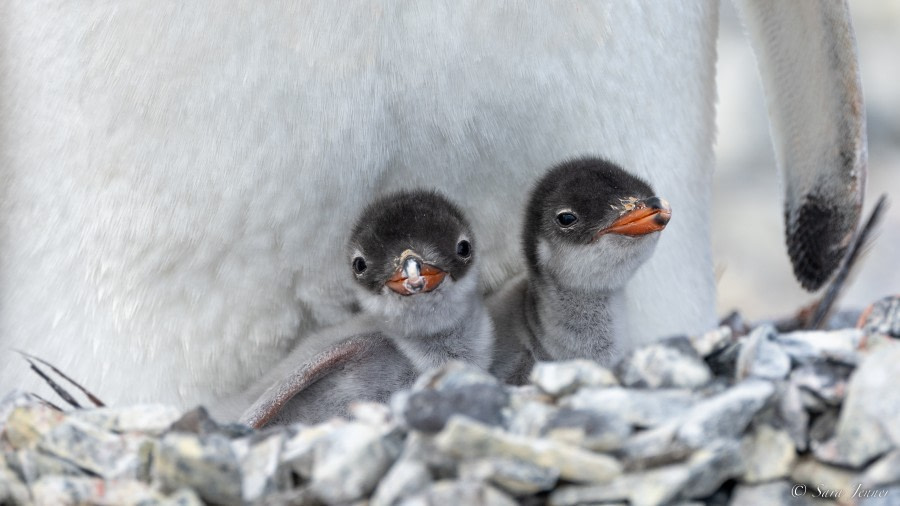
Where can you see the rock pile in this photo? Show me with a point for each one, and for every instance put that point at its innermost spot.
(767, 418)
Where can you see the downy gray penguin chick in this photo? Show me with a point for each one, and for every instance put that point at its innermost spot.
(412, 255)
(588, 226)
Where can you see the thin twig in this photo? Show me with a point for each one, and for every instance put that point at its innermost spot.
(58, 389)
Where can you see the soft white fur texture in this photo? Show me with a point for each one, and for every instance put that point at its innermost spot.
(176, 178)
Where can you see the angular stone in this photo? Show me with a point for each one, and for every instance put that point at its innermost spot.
(206, 464)
(782, 493)
(792, 416)
(826, 380)
(15, 399)
(456, 388)
(26, 425)
(468, 439)
(884, 471)
(198, 421)
(406, 478)
(710, 342)
(823, 428)
(103, 453)
(516, 476)
(459, 492)
(711, 466)
(653, 448)
(813, 473)
(589, 429)
(298, 451)
(670, 363)
(565, 377)
(768, 453)
(882, 317)
(85, 490)
(725, 415)
(530, 418)
(835, 345)
(655, 487)
(372, 413)
(12, 490)
(869, 424)
(33, 464)
(151, 419)
(642, 408)
(761, 357)
(429, 410)
(350, 461)
(259, 457)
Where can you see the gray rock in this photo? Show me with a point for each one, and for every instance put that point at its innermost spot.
(653, 448)
(407, 477)
(26, 425)
(259, 458)
(792, 415)
(869, 424)
(86, 490)
(884, 471)
(711, 466)
(465, 438)
(530, 418)
(298, 451)
(12, 489)
(760, 356)
(456, 388)
(33, 464)
(822, 429)
(724, 416)
(830, 479)
(882, 317)
(350, 461)
(103, 453)
(769, 454)
(586, 428)
(565, 377)
(641, 408)
(826, 380)
(650, 488)
(710, 342)
(516, 476)
(884, 496)
(670, 363)
(776, 493)
(460, 492)
(151, 419)
(206, 464)
(838, 345)
(15, 399)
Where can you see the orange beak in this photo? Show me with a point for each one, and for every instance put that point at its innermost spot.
(415, 276)
(647, 216)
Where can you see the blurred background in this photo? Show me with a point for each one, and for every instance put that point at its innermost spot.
(752, 266)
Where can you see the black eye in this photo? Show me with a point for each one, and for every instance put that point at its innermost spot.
(566, 219)
(464, 249)
(359, 265)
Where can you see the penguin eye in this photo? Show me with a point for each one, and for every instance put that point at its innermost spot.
(464, 249)
(566, 219)
(359, 265)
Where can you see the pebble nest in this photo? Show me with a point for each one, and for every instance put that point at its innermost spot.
(762, 418)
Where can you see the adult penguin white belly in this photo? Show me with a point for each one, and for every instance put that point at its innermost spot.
(177, 179)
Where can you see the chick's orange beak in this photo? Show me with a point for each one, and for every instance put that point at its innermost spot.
(415, 276)
(645, 217)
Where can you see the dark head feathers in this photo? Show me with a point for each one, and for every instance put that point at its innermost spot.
(586, 188)
(421, 220)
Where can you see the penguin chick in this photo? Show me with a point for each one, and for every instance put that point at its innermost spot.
(412, 255)
(588, 226)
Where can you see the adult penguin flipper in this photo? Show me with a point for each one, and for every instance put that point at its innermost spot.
(807, 57)
(270, 403)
